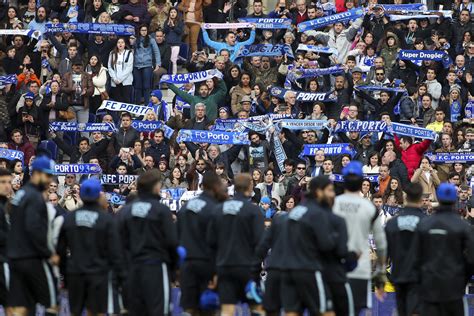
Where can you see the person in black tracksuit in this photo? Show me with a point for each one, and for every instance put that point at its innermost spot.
(400, 232)
(338, 261)
(90, 252)
(150, 239)
(445, 257)
(31, 278)
(273, 240)
(193, 219)
(234, 233)
(306, 234)
(5, 190)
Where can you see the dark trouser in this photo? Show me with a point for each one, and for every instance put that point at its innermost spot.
(94, 104)
(121, 93)
(195, 276)
(149, 290)
(142, 78)
(451, 308)
(408, 301)
(341, 297)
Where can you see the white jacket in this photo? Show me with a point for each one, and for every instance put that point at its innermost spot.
(100, 81)
(434, 88)
(123, 68)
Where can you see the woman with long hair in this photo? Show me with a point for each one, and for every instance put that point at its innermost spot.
(366, 189)
(121, 71)
(270, 186)
(145, 53)
(174, 29)
(373, 164)
(99, 80)
(72, 13)
(394, 195)
(139, 151)
(94, 11)
(453, 105)
(260, 99)
(232, 77)
(427, 177)
(288, 203)
(239, 91)
(175, 180)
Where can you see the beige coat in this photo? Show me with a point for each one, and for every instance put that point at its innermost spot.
(429, 186)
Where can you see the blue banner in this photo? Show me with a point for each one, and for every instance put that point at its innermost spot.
(412, 131)
(212, 137)
(173, 193)
(302, 95)
(295, 73)
(192, 76)
(340, 178)
(11, 154)
(303, 124)
(264, 50)
(116, 199)
(331, 19)
(380, 88)
(268, 23)
(401, 7)
(8, 79)
(115, 179)
(460, 157)
(435, 55)
(469, 110)
(80, 168)
(82, 127)
(392, 210)
(279, 152)
(151, 126)
(361, 126)
(91, 28)
(134, 109)
(329, 149)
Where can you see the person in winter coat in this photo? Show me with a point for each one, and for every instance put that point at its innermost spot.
(390, 49)
(52, 103)
(29, 120)
(121, 72)
(408, 107)
(434, 87)
(411, 153)
(21, 143)
(99, 81)
(158, 10)
(402, 70)
(133, 12)
(174, 29)
(146, 58)
(126, 134)
(427, 177)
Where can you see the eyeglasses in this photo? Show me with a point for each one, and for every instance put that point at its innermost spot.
(379, 74)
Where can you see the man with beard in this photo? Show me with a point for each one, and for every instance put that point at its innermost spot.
(31, 280)
(258, 152)
(39, 22)
(149, 235)
(400, 232)
(361, 220)
(193, 219)
(5, 192)
(335, 262)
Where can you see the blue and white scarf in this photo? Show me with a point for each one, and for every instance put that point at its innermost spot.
(340, 178)
(295, 74)
(227, 26)
(81, 168)
(134, 109)
(192, 77)
(92, 28)
(461, 157)
(318, 49)
(455, 111)
(361, 126)
(302, 95)
(468, 110)
(417, 14)
(412, 131)
(151, 126)
(435, 55)
(30, 33)
(82, 127)
(380, 88)
(303, 124)
(279, 152)
(268, 23)
(264, 50)
(11, 154)
(328, 20)
(212, 137)
(114, 179)
(116, 199)
(402, 7)
(8, 79)
(173, 193)
(180, 104)
(329, 149)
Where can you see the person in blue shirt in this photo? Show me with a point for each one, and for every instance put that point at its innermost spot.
(230, 42)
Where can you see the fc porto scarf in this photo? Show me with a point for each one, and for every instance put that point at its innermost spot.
(331, 19)
(361, 126)
(151, 126)
(82, 127)
(115, 179)
(412, 131)
(435, 55)
(92, 28)
(317, 49)
(329, 149)
(192, 77)
(81, 168)
(264, 50)
(268, 23)
(212, 137)
(301, 96)
(460, 157)
(134, 109)
(11, 154)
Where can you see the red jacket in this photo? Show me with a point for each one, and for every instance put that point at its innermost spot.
(412, 156)
(26, 147)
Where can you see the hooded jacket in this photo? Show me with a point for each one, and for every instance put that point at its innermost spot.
(411, 157)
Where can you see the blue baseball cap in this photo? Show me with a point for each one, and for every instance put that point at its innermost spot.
(43, 164)
(157, 93)
(354, 168)
(447, 193)
(90, 190)
(209, 300)
(29, 96)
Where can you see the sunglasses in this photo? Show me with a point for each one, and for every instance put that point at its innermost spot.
(301, 168)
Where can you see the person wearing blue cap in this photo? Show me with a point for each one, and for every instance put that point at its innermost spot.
(163, 110)
(150, 237)
(90, 254)
(445, 257)
(28, 251)
(361, 219)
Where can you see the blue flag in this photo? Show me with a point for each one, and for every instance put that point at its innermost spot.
(331, 19)
(81, 168)
(268, 23)
(212, 137)
(8, 79)
(329, 149)
(435, 55)
(92, 28)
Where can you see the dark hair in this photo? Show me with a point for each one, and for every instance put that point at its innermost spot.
(5, 172)
(146, 39)
(83, 139)
(243, 73)
(398, 192)
(371, 154)
(353, 183)
(181, 178)
(317, 183)
(414, 192)
(147, 181)
(285, 199)
(126, 114)
(407, 139)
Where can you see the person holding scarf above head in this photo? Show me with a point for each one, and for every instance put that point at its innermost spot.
(230, 42)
